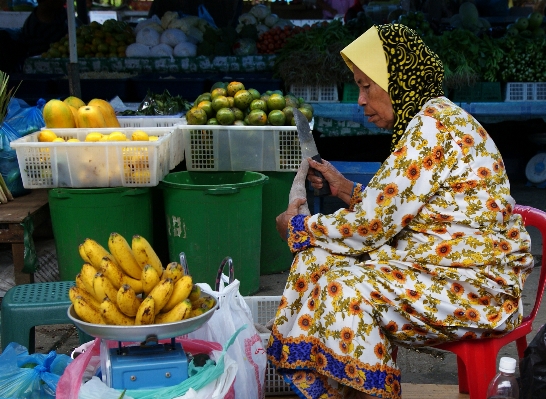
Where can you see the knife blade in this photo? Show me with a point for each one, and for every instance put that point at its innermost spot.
(309, 149)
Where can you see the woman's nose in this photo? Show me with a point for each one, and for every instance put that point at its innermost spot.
(362, 100)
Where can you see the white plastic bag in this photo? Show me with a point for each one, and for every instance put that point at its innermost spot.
(247, 350)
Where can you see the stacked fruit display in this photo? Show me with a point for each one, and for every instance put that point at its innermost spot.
(109, 39)
(232, 104)
(127, 285)
(72, 112)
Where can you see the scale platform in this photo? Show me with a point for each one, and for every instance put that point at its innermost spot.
(147, 364)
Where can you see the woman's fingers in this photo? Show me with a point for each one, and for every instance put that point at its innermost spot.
(283, 219)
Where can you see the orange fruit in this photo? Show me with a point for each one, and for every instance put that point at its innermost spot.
(220, 102)
(225, 116)
(276, 117)
(257, 117)
(196, 116)
(234, 87)
(276, 101)
(242, 99)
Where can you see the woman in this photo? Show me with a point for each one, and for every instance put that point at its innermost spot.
(428, 252)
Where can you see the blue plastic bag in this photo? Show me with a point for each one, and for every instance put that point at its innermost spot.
(9, 166)
(27, 376)
(23, 118)
(204, 14)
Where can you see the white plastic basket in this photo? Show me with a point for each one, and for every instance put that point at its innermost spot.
(526, 91)
(91, 164)
(150, 121)
(241, 148)
(327, 93)
(176, 143)
(263, 309)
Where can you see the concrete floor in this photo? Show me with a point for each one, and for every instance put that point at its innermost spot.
(426, 366)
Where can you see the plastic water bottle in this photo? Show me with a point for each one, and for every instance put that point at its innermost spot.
(504, 385)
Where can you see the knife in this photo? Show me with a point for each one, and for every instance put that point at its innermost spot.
(309, 149)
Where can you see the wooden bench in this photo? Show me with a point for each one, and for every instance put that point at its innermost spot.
(34, 205)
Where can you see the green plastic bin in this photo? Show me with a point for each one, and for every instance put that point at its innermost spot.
(79, 213)
(275, 255)
(211, 215)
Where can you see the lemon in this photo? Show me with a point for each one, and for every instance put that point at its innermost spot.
(72, 141)
(93, 136)
(58, 140)
(153, 138)
(117, 136)
(46, 136)
(140, 135)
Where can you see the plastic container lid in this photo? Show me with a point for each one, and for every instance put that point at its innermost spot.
(535, 171)
(507, 365)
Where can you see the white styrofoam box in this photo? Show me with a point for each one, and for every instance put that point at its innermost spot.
(91, 164)
(263, 309)
(241, 148)
(526, 91)
(322, 93)
(176, 143)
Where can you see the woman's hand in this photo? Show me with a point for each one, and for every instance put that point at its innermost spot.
(339, 185)
(283, 219)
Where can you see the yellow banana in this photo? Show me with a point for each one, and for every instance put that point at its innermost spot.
(161, 293)
(94, 251)
(83, 255)
(133, 282)
(79, 281)
(180, 312)
(86, 312)
(209, 303)
(196, 312)
(123, 254)
(75, 291)
(112, 271)
(195, 293)
(104, 288)
(174, 271)
(127, 300)
(146, 312)
(181, 291)
(145, 254)
(149, 279)
(112, 315)
(198, 303)
(87, 274)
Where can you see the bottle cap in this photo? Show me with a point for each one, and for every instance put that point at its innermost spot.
(507, 365)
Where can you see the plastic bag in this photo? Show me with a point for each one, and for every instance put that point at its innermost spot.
(30, 376)
(248, 349)
(532, 368)
(23, 118)
(9, 167)
(204, 14)
(221, 377)
(30, 257)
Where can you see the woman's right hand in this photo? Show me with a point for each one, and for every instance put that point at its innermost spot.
(339, 185)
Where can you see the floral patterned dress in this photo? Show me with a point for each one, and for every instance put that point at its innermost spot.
(447, 261)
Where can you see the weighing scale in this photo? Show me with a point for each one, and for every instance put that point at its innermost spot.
(146, 366)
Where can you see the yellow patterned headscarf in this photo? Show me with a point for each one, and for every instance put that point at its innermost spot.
(398, 60)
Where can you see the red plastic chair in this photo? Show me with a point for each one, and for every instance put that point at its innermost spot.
(476, 359)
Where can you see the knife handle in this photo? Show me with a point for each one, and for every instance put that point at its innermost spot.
(325, 190)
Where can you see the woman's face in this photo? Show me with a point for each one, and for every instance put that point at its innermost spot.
(376, 101)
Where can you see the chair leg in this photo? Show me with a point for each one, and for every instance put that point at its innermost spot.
(521, 345)
(481, 363)
(462, 376)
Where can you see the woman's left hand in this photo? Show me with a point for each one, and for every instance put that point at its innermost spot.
(283, 219)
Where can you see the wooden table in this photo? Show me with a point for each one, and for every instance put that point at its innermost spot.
(34, 205)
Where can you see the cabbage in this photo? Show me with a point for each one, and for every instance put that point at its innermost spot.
(161, 50)
(261, 28)
(137, 50)
(244, 46)
(260, 11)
(167, 18)
(271, 20)
(147, 22)
(281, 23)
(185, 49)
(172, 37)
(194, 35)
(247, 19)
(148, 36)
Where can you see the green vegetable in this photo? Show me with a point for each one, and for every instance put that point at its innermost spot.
(160, 104)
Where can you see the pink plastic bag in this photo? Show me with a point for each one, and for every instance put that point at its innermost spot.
(71, 380)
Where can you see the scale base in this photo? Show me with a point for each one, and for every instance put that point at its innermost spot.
(146, 366)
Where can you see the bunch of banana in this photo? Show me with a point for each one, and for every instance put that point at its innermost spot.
(127, 285)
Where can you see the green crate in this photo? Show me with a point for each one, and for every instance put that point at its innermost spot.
(479, 92)
(350, 93)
